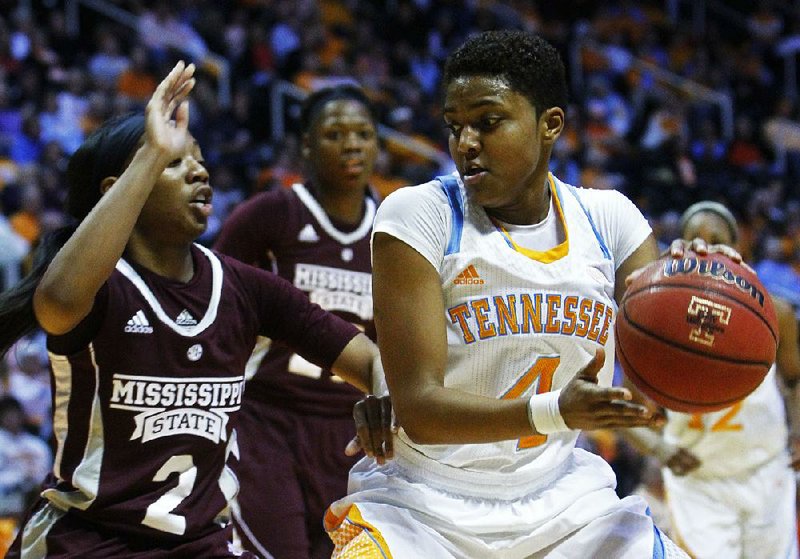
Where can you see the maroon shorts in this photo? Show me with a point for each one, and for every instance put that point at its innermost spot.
(292, 467)
(70, 537)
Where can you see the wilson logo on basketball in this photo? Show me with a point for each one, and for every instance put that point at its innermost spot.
(714, 269)
(469, 276)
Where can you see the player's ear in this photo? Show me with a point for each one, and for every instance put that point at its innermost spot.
(551, 124)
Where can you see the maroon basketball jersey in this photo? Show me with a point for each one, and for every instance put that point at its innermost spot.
(288, 231)
(145, 405)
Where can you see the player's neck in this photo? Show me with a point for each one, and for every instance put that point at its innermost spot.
(170, 261)
(343, 206)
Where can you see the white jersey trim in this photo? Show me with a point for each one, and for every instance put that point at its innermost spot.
(211, 313)
(319, 214)
(86, 475)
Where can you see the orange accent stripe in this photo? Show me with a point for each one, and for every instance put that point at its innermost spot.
(332, 521)
(551, 255)
(352, 518)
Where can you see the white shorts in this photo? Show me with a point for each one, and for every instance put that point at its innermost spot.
(749, 517)
(392, 511)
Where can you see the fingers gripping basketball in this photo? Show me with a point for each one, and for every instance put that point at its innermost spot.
(697, 333)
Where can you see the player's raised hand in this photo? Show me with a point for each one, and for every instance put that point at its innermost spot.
(167, 112)
(375, 428)
(585, 405)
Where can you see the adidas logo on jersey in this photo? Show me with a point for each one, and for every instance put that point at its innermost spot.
(469, 276)
(308, 234)
(185, 319)
(138, 324)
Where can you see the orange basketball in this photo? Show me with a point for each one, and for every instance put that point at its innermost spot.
(696, 334)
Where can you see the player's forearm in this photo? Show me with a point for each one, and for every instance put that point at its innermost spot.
(359, 364)
(439, 415)
(68, 287)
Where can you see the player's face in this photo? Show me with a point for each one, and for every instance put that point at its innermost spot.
(342, 145)
(180, 203)
(500, 147)
(708, 226)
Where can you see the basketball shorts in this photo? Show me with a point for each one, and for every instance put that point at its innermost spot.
(395, 511)
(749, 516)
(291, 467)
(52, 533)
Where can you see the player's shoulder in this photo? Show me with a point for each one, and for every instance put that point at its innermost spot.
(278, 196)
(429, 193)
(601, 204)
(236, 270)
(595, 197)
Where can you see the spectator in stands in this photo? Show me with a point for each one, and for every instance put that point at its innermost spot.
(162, 31)
(137, 82)
(28, 381)
(25, 460)
(27, 145)
(13, 248)
(108, 63)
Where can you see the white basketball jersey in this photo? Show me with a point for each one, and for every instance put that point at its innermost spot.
(738, 438)
(520, 322)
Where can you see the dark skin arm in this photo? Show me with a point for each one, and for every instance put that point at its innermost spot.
(66, 293)
(788, 364)
(360, 365)
(409, 314)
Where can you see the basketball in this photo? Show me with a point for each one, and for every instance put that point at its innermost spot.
(696, 334)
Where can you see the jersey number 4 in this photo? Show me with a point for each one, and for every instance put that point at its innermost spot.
(542, 369)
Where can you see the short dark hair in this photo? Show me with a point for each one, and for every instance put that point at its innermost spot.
(315, 102)
(529, 64)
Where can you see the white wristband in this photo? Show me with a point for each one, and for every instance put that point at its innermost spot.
(544, 415)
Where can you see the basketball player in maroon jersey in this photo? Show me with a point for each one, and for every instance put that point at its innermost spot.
(297, 417)
(149, 335)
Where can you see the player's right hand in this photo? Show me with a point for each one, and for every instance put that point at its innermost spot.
(585, 405)
(375, 428)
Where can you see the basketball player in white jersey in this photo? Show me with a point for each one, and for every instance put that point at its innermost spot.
(727, 474)
(494, 292)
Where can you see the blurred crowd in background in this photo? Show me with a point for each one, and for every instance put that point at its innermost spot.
(669, 105)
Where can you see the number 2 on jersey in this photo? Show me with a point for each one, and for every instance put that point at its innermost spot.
(159, 514)
(543, 369)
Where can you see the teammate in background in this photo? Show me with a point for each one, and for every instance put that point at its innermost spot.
(149, 335)
(297, 417)
(729, 482)
(494, 294)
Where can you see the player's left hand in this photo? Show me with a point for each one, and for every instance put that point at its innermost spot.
(679, 246)
(375, 428)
